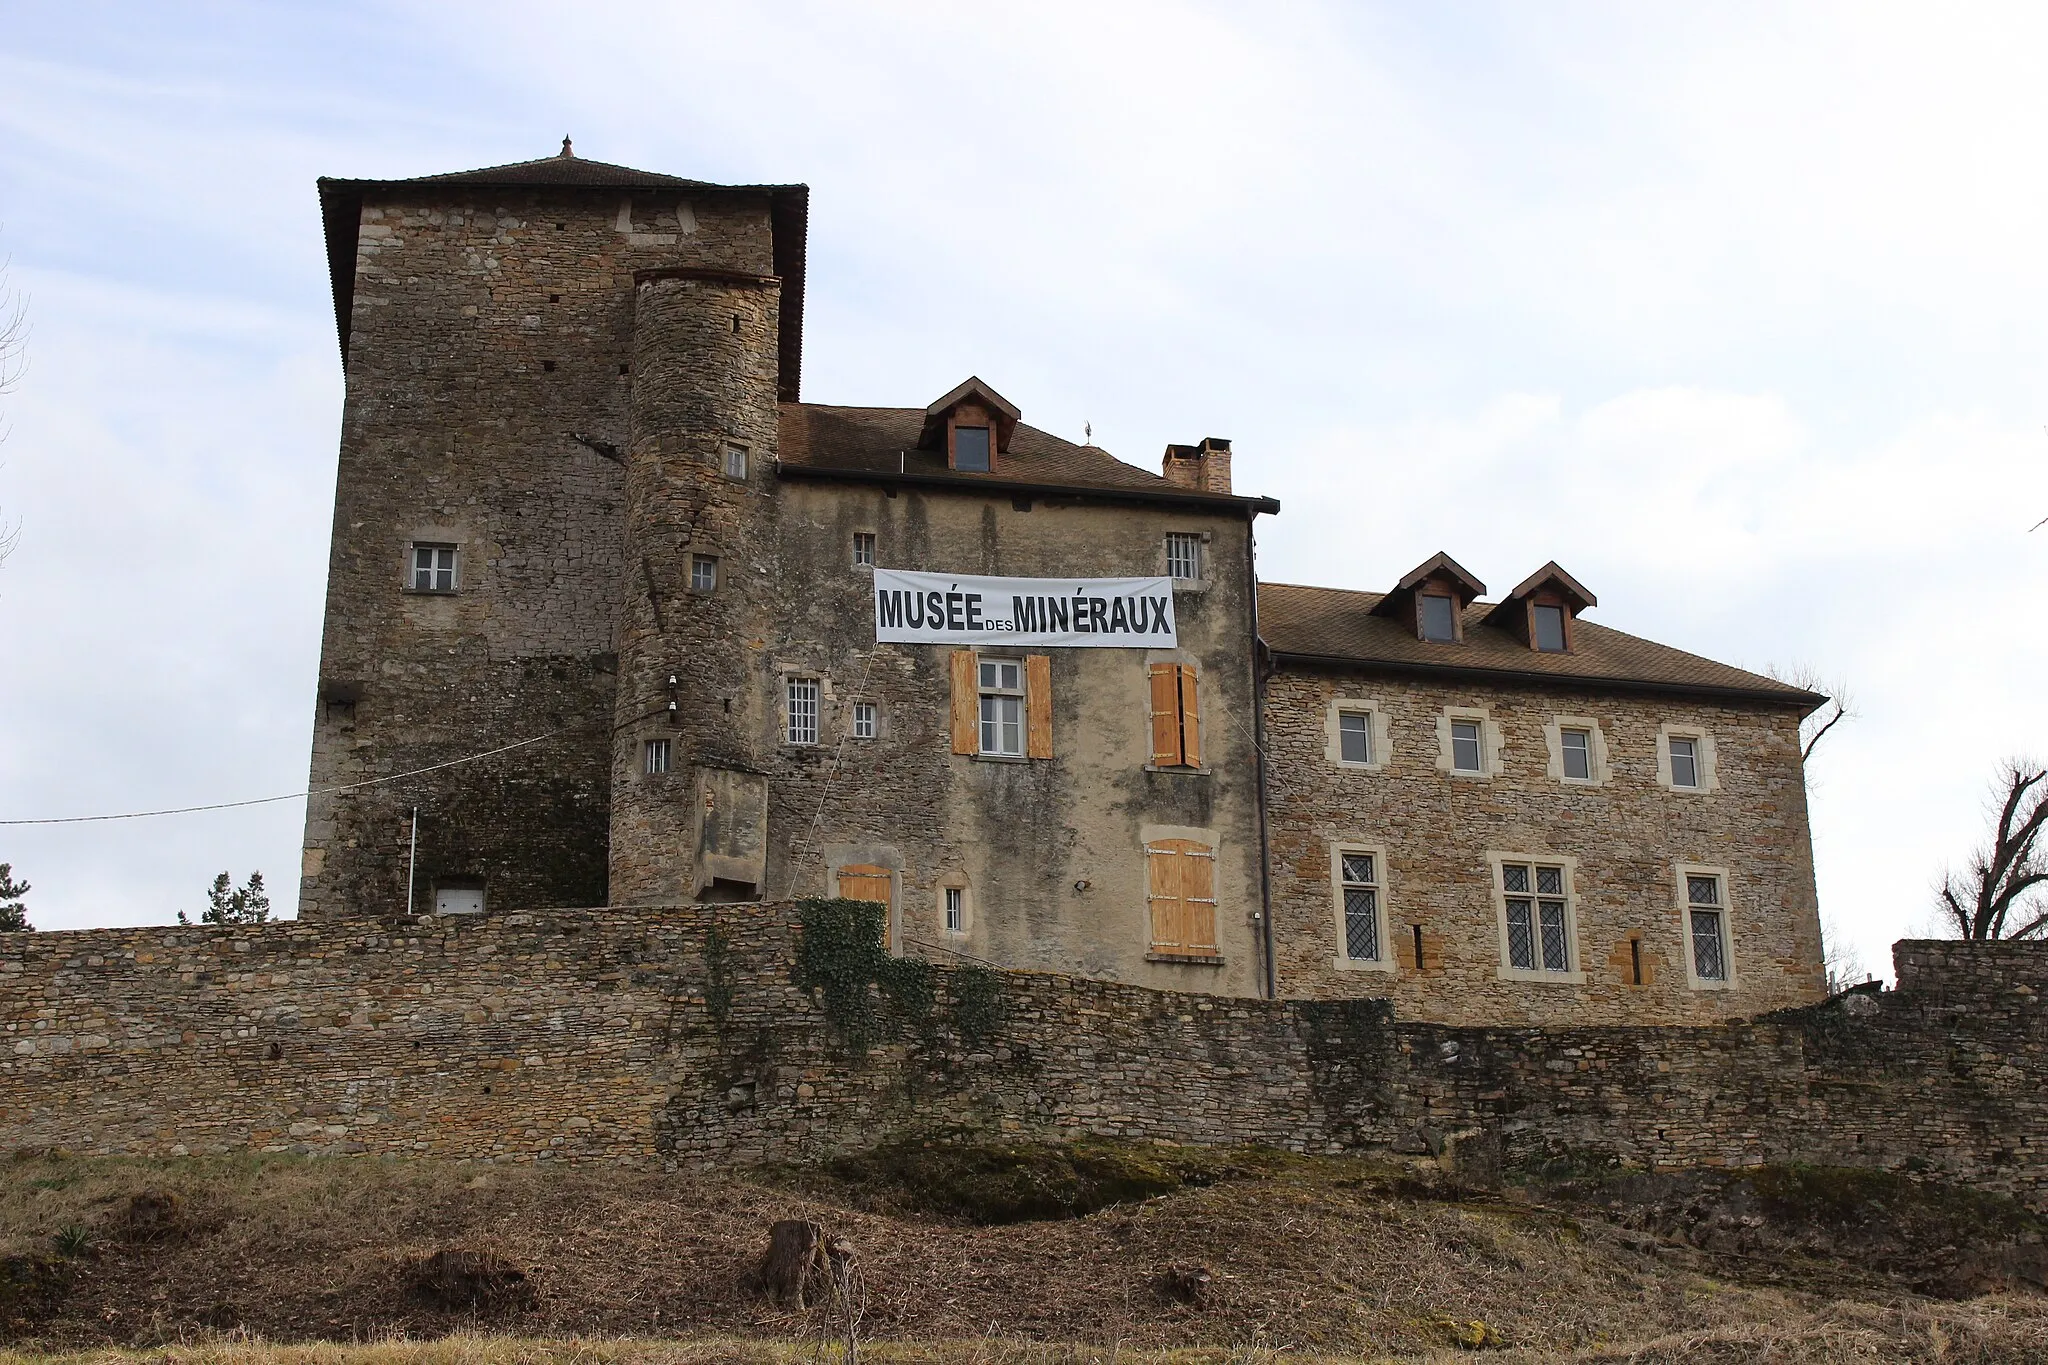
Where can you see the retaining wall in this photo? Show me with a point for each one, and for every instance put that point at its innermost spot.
(611, 1036)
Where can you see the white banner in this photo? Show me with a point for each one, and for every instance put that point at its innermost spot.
(1065, 613)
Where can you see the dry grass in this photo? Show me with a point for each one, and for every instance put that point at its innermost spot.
(1312, 1260)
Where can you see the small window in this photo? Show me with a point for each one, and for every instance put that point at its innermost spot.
(1577, 749)
(703, 573)
(1002, 707)
(1180, 890)
(1438, 617)
(864, 548)
(657, 757)
(803, 711)
(1176, 714)
(341, 712)
(1685, 762)
(970, 449)
(1549, 629)
(1354, 736)
(735, 462)
(433, 568)
(866, 720)
(1184, 557)
(1536, 897)
(1465, 752)
(956, 909)
(1361, 906)
(1707, 926)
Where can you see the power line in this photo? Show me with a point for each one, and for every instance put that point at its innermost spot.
(295, 796)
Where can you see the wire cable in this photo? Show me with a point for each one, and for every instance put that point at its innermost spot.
(294, 796)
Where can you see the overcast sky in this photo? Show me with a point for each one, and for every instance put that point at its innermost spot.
(1736, 311)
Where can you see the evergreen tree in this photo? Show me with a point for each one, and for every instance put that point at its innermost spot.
(227, 905)
(13, 914)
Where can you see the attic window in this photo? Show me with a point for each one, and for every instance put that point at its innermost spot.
(1549, 628)
(970, 449)
(1436, 618)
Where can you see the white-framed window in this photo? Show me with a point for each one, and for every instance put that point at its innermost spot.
(1578, 751)
(1001, 683)
(1184, 557)
(864, 549)
(1355, 733)
(1468, 742)
(867, 720)
(433, 568)
(1535, 899)
(656, 757)
(1709, 943)
(703, 573)
(735, 461)
(1358, 881)
(802, 718)
(953, 908)
(1685, 759)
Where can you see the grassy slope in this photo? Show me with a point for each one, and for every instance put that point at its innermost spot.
(1329, 1257)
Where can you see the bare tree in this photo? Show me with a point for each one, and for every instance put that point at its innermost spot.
(1840, 705)
(1842, 964)
(2001, 896)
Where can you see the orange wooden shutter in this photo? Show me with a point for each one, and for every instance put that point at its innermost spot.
(1180, 880)
(1166, 751)
(1038, 705)
(1190, 719)
(866, 882)
(966, 704)
(1162, 895)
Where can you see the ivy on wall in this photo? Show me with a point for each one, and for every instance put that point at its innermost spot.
(869, 995)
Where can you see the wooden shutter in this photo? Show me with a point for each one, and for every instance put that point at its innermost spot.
(1166, 750)
(1038, 705)
(866, 882)
(1190, 719)
(966, 704)
(1180, 889)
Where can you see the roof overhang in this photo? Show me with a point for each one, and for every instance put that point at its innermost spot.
(956, 483)
(1805, 701)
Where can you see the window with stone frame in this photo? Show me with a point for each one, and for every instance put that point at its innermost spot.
(1706, 926)
(866, 720)
(1361, 892)
(1354, 736)
(703, 573)
(735, 465)
(1466, 754)
(1536, 902)
(1575, 747)
(656, 757)
(1183, 557)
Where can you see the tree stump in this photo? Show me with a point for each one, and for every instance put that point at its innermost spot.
(796, 1256)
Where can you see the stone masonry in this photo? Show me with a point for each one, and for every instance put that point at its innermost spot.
(610, 1036)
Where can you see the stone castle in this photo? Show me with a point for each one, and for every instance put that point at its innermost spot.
(586, 527)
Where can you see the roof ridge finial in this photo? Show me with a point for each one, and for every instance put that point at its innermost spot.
(568, 149)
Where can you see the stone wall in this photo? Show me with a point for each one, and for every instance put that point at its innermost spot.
(1623, 834)
(680, 1036)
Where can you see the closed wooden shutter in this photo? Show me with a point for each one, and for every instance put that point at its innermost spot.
(1180, 878)
(1038, 705)
(866, 882)
(1190, 719)
(966, 704)
(1166, 751)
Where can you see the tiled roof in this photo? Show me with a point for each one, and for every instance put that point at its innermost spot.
(1336, 624)
(883, 442)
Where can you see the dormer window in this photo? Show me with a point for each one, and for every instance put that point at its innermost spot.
(971, 426)
(1431, 600)
(1543, 610)
(971, 450)
(1439, 621)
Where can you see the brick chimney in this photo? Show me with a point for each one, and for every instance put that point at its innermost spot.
(1204, 468)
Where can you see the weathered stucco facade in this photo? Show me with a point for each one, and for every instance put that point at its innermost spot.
(586, 528)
